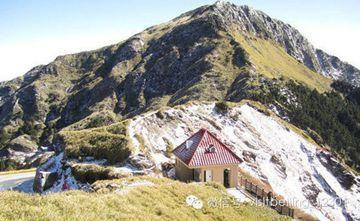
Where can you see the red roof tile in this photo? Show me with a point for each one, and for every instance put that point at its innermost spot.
(194, 152)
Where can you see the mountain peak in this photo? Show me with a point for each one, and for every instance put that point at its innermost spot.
(196, 56)
(246, 20)
(222, 6)
(221, 3)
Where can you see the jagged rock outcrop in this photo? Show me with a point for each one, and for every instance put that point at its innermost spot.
(346, 179)
(205, 54)
(249, 20)
(306, 175)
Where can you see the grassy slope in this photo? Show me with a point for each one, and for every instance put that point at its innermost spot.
(272, 61)
(110, 142)
(164, 201)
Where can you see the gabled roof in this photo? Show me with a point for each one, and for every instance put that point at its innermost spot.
(195, 152)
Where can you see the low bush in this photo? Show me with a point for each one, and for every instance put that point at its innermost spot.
(169, 148)
(110, 143)
(90, 173)
(222, 107)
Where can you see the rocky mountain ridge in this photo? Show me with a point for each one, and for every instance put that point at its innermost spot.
(206, 54)
(249, 20)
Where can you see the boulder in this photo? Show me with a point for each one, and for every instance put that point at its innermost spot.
(141, 162)
(44, 180)
(23, 143)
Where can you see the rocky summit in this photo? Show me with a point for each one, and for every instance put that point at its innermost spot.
(213, 53)
(257, 23)
(95, 119)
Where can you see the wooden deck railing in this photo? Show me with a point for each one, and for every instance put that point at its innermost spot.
(266, 198)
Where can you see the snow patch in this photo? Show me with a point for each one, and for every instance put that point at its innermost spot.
(296, 173)
(239, 196)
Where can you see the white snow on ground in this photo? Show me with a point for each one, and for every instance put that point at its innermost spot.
(126, 169)
(54, 165)
(129, 169)
(132, 131)
(282, 157)
(88, 161)
(240, 197)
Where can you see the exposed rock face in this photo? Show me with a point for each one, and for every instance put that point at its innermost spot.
(279, 165)
(23, 143)
(54, 176)
(196, 56)
(140, 161)
(310, 190)
(346, 179)
(249, 156)
(44, 180)
(11, 160)
(252, 21)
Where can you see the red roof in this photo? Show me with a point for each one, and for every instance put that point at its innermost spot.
(204, 149)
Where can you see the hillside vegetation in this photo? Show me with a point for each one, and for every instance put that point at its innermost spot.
(272, 61)
(110, 142)
(213, 53)
(164, 200)
(331, 118)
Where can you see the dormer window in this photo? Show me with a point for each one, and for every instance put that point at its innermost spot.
(211, 149)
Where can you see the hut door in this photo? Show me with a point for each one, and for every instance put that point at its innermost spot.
(227, 178)
(207, 175)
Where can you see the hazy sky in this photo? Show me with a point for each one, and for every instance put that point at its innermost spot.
(35, 32)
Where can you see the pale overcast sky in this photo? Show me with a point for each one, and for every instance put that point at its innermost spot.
(34, 32)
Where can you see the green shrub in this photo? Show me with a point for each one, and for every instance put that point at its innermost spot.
(222, 107)
(315, 136)
(111, 143)
(7, 164)
(32, 129)
(169, 148)
(141, 142)
(4, 137)
(328, 117)
(97, 119)
(91, 173)
(159, 114)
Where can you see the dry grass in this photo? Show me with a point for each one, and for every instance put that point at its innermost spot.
(163, 201)
(272, 61)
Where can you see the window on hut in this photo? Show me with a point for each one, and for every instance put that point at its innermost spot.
(211, 149)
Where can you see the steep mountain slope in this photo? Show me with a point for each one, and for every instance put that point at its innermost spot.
(296, 168)
(206, 54)
(120, 110)
(275, 152)
(248, 20)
